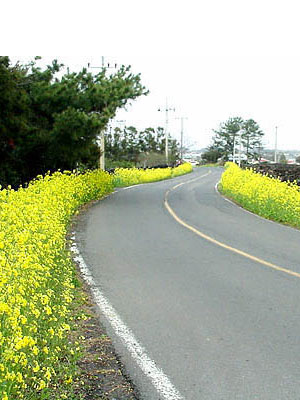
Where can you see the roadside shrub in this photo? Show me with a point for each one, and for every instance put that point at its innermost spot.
(37, 280)
(134, 176)
(182, 169)
(263, 195)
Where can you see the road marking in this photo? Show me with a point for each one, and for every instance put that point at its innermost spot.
(159, 380)
(218, 243)
(132, 186)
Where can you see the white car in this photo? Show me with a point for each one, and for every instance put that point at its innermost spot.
(193, 162)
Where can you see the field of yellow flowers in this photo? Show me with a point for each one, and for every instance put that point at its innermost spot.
(37, 276)
(263, 195)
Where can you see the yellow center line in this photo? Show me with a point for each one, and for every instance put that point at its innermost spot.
(217, 242)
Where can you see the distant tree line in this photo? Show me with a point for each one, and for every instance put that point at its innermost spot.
(50, 120)
(228, 136)
(140, 148)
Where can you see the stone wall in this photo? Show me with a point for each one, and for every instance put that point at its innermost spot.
(284, 172)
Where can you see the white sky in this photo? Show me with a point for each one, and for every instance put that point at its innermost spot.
(212, 59)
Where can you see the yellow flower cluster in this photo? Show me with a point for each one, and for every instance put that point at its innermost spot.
(37, 277)
(134, 176)
(263, 195)
(37, 274)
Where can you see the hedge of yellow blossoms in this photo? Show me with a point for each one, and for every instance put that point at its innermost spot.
(37, 275)
(263, 195)
(134, 176)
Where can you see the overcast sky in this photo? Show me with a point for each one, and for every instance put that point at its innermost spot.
(212, 60)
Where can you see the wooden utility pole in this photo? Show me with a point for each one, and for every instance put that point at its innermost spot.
(102, 133)
(102, 151)
(181, 136)
(167, 109)
(275, 152)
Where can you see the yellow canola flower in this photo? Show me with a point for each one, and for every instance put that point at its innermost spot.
(48, 310)
(24, 342)
(48, 374)
(4, 308)
(19, 377)
(263, 195)
(42, 384)
(36, 274)
(68, 380)
(36, 367)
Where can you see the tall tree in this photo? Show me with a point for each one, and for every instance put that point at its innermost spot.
(231, 133)
(252, 138)
(226, 136)
(49, 122)
(13, 120)
(211, 156)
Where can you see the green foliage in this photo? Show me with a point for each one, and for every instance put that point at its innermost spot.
(223, 141)
(252, 138)
(111, 164)
(229, 134)
(211, 156)
(51, 121)
(142, 148)
(151, 159)
(282, 158)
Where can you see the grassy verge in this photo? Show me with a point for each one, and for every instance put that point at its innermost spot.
(40, 295)
(263, 195)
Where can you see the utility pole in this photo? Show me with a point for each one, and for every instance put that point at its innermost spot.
(102, 151)
(167, 109)
(102, 133)
(181, 136)
(240, 147)
(275, 152)
(234, 145)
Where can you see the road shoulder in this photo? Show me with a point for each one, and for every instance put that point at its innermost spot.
(101, 375)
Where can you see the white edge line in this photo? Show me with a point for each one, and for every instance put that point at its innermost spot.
(132, 186)
(160, 381)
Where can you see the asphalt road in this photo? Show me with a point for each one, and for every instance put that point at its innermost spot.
(218, 324)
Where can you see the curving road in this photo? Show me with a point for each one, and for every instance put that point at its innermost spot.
(218, 324)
